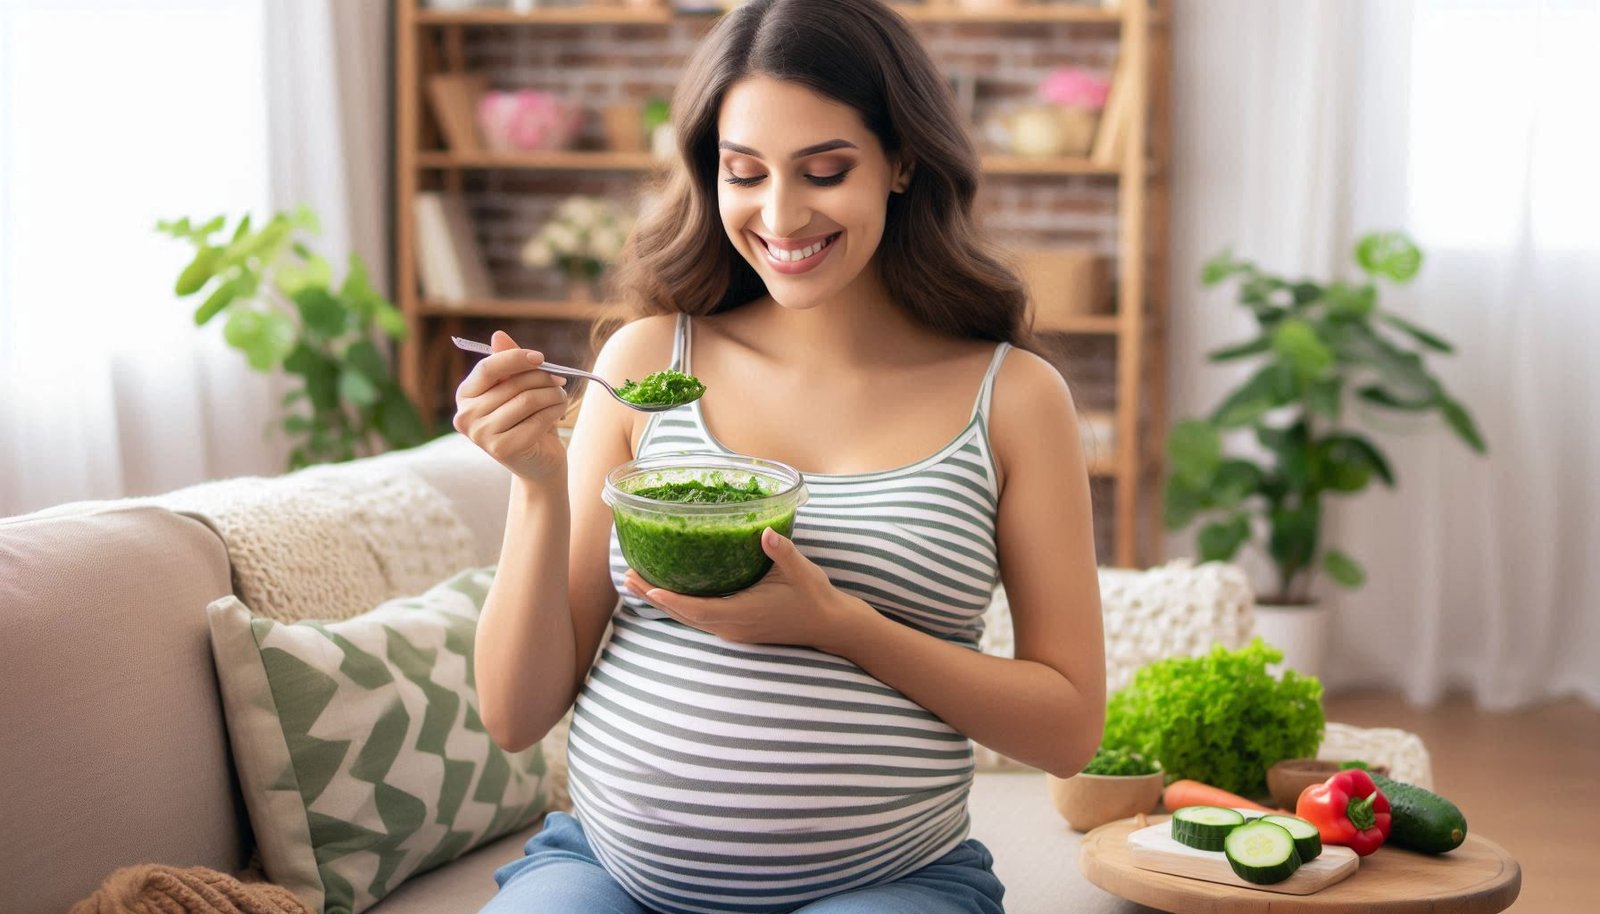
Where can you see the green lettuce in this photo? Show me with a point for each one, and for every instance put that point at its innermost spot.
(1220, 719)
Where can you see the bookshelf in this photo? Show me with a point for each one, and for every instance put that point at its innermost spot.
(1130, 343)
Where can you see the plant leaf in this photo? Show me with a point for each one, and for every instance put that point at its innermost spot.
(1293, 540)
(291, 278)
(1235, 481)
(365, 358)
(220, 297)
(1343, 465)
(397, 420)
(1180, 503)
(1422, 336)
(1219, 541)
(1194, 447)
(1343, 569)
(198, 272)
(1266, 389)
(265, 337)
(357, 388)
(1325, 397)
(1220, 267)
(1390, 254)
(1347, 302)
(321, 313)
(1375, 394)
(1241, 350)
(1461, 421)
(1296, 341)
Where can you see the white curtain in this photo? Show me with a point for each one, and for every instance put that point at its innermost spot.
(1473, 126)
(112, 116)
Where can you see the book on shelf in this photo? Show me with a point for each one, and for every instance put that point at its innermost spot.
(454, 98)
(449, 263)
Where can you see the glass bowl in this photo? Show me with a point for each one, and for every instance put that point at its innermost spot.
(701, 548)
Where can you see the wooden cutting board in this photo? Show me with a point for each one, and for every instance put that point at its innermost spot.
(1478, 877)
(1154, 848)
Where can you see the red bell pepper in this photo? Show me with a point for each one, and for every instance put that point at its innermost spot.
(1348, 809)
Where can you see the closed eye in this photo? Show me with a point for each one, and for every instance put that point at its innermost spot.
(818, 180)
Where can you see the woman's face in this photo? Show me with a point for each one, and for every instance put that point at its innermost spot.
(802, 188)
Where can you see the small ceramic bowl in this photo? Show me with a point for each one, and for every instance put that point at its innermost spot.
(1286, 779)
(1088, 801)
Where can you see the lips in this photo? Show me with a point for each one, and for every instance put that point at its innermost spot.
(800, 255)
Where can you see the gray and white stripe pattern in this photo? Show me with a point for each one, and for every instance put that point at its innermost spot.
(719, 777)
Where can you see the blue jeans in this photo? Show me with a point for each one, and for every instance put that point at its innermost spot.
(561, 875)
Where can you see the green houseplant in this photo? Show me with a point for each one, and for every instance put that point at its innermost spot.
(283, 310)
(1319, 345)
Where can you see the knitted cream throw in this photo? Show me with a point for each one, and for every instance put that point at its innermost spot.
(325, 543)
(155, 889)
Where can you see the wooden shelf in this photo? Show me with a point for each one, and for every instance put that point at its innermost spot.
(576, 160)
(1125, 462)
(600, 160)
(1082, 13)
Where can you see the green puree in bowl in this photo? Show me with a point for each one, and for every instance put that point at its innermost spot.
(664, 388)
(696, 492)
(705, 554)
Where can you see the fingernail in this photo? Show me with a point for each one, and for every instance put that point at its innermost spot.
(535, 356)
(561, 381)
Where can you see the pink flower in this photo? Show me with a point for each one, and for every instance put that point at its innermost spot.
(1071, 87)
(528, 120)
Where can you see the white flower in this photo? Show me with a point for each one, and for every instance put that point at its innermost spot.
(605, 242)
(563, 239)
(537, 253)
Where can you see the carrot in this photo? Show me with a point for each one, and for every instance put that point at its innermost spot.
(1193, 793)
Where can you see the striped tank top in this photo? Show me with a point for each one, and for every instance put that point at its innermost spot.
(719, 777)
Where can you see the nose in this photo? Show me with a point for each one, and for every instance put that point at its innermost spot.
(784, 210)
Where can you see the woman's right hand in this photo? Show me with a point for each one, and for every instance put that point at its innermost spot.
(510, 409)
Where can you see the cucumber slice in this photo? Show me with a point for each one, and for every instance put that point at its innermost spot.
(1307, 841)
(1204, 827)
(1261, 852)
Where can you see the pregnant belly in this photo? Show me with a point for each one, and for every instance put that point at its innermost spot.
(695, 762)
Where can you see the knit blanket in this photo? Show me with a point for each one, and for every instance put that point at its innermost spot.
(325, 543)
(155, 889)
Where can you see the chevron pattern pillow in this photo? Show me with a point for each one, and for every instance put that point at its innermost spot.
(358, 744)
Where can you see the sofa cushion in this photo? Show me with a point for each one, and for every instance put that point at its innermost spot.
(359, 746)
(331, 541)
(112, 747)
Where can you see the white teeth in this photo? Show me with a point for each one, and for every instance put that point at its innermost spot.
(801, 254)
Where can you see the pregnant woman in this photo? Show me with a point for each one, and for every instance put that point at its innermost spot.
(801, 745)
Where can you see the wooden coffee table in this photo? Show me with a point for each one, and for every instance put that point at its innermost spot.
(1478, 877)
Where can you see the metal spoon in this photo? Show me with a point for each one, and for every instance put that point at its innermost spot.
(552, 368)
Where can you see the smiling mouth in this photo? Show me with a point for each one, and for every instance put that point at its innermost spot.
(798, 259)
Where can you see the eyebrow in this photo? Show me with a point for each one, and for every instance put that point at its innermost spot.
(826, 146)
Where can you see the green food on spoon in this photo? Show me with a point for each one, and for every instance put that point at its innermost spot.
(664, 388)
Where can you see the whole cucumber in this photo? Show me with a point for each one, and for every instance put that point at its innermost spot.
(1422, 820)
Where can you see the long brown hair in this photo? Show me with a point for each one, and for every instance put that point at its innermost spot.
(862, 54)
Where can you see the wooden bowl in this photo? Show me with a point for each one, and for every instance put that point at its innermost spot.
(1088, 801)
(1286, 779)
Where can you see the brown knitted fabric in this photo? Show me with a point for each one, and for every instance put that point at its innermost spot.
(151, 888)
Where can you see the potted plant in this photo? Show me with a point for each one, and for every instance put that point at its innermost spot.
(585, 235)
(1260, 465)
(283, 310)
(1116, 783)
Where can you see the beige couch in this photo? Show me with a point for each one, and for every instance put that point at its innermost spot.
(113, 747)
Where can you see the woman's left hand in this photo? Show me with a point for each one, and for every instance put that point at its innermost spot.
(794, 603)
